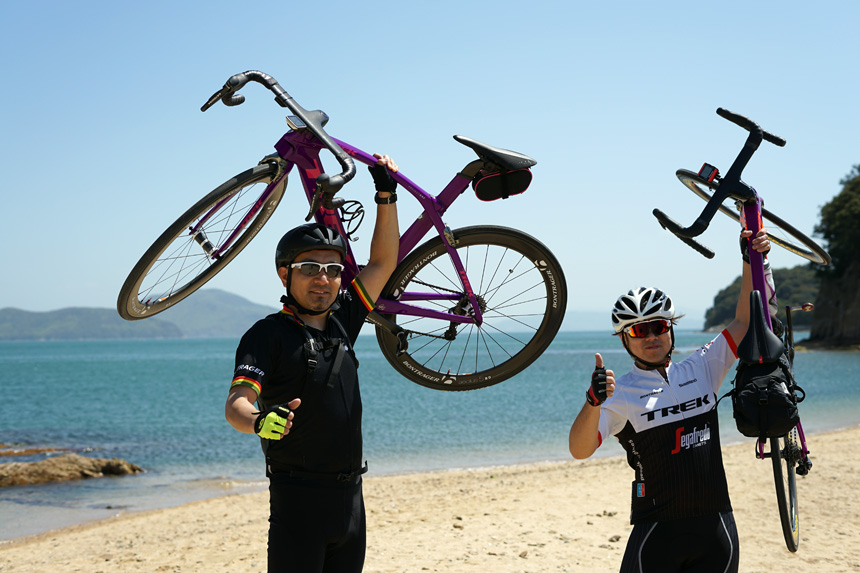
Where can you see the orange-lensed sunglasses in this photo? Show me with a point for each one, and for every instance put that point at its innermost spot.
(641, 329)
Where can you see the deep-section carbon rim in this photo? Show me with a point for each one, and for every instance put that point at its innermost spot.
(523, 295)
(780, 232)
(177, 263)
(785, 456)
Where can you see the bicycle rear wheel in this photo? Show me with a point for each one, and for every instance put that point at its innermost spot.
(522, 293)
(785, 455)
(179, 261)
(779, 232)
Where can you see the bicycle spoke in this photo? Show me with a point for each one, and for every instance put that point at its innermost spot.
(512, 294)
(182, 263)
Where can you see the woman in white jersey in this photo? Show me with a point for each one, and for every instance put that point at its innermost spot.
(664, 415)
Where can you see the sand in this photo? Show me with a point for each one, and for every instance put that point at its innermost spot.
(560, 516)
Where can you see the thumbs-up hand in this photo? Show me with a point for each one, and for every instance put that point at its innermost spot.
(602, 383)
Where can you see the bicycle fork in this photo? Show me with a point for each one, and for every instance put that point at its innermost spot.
(199, 235)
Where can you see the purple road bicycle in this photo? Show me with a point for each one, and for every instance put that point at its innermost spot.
(788, 453)
(466, 309)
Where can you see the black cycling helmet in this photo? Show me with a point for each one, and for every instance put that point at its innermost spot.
(310, 237)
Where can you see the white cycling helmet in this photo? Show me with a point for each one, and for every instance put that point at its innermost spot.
(641, 305)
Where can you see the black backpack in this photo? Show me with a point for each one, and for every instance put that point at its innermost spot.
(764, 393)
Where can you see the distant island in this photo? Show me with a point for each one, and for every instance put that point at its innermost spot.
(208, 313)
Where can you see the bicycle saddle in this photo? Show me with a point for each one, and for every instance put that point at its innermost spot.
(501, 157)
(759, 345)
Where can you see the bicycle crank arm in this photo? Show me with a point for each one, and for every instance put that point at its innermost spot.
(377, 319)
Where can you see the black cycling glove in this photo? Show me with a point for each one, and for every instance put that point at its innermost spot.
(596, 394)
(382, 179)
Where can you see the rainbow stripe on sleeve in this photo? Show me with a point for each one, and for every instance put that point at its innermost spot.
(249, 382)
(362, 294)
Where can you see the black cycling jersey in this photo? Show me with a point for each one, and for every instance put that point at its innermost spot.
(272, 359)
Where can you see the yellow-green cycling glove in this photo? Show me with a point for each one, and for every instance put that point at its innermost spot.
(271, 423)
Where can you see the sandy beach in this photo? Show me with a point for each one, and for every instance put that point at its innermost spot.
(560, 516)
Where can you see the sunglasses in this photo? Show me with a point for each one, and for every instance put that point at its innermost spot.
(642, 329)
(332, 270)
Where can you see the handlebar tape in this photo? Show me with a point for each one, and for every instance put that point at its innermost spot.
(685, 235)
(329, 185)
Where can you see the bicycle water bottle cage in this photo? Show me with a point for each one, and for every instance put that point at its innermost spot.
(709, 172)
(759, 345)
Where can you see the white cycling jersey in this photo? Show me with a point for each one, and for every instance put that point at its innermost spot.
(670, 431)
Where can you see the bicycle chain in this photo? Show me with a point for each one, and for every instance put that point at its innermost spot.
(449, 335)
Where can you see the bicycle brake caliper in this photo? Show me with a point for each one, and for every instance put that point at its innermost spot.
(449, 236)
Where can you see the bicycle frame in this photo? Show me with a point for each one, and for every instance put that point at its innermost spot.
(731, 186)
(302, 151)
(751, 220)
(431, 217)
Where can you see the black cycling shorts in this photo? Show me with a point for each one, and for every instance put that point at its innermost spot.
(316, 527)
(706, 544)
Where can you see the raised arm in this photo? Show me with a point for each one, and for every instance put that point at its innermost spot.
(738, 327)
(386, 234)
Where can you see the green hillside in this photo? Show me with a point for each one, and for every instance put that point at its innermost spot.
(79, 324)
(208, 313)
(794, 286)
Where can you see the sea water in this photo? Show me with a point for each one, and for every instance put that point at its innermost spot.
(160, 404)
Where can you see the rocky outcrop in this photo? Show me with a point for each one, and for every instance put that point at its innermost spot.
(63, 468)
(837, 311)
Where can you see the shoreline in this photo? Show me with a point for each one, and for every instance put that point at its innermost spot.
(538, 517)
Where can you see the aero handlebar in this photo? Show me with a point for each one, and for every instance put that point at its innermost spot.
(327, 185)
(730, 186)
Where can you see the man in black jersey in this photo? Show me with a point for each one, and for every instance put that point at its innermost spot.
(299, 368)
(664, 415)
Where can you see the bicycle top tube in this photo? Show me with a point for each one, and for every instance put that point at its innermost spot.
(303, 150)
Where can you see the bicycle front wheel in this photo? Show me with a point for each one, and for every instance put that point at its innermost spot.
(779, 232)
(785, 454)
(181, 260)
(522, 294)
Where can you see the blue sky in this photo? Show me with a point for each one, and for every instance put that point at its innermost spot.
(104, 145)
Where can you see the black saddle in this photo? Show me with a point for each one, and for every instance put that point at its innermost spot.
(759, 345)
(502, 157)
